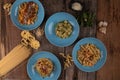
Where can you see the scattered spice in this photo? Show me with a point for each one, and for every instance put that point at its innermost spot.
(39, 32)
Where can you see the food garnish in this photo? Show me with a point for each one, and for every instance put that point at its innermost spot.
(44, 67)
(88, 55)
(86, 19)
(63, 29)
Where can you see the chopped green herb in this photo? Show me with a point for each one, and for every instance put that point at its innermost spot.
(86, 19)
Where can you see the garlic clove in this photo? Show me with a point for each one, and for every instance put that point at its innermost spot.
(102, 30)
(105, 23)
(100, 24)
(77, 6)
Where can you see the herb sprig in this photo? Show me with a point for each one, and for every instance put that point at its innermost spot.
(86, 19)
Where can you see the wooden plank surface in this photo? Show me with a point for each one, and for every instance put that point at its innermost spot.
(108, 10)
(0, 33)
(84, 32)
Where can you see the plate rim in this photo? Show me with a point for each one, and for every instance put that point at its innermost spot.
(31, 26)
(68, 20)
(44, 52)
(76, 61)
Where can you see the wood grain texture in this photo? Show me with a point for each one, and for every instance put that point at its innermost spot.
(0, 33)
(52, 7)
(0, 27)
(109, 10)
(84, 32)
(10, 37)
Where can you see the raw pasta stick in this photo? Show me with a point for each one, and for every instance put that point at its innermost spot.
(6, 68)
(15, 57)
(7, 59)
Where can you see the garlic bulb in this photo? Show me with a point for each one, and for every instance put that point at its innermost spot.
(102, 26)
(77, 6)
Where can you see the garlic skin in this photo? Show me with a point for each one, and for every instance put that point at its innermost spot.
(77, 6)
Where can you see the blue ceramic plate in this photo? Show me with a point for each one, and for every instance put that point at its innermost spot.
(99, 45)
(34, 75)
(14, 15)
(50, 29)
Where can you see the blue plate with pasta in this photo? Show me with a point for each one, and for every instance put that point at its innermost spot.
(50, 28)
(89, 54)
(27, 14)
(33, 73)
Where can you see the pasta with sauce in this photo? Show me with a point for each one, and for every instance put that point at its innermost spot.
(88, 55)
(44, 66)
(27, 13)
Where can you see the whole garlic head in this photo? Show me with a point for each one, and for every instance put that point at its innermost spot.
(77, 6)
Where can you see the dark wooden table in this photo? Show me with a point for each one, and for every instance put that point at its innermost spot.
(108, 10)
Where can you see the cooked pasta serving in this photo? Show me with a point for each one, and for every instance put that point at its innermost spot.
(44, 66)
(27, 13)
(88, 55)
(63, 29)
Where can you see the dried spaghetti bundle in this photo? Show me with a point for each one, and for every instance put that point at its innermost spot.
(14, 58)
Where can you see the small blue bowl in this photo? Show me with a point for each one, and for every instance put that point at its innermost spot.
(34, 75)
(99, 45)
(50, 29)
(14, 15)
